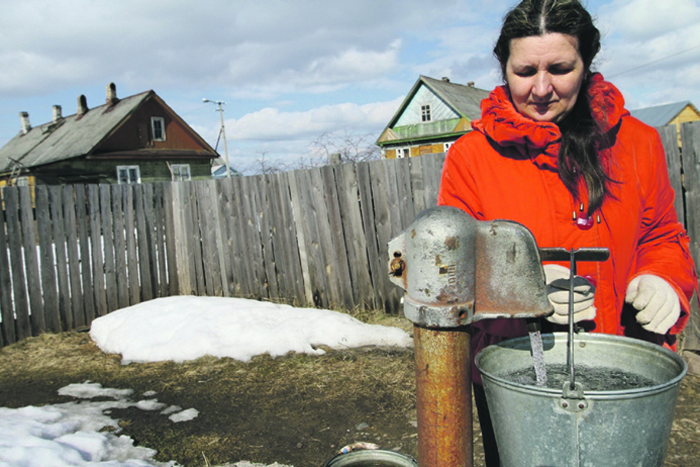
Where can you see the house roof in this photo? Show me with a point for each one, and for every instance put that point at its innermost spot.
(75, 135)
(220, 172)
(660, 115)
(465, 100)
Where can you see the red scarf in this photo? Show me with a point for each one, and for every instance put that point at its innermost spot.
(501, 122)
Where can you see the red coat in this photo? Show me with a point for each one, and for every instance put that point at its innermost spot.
(506, 169)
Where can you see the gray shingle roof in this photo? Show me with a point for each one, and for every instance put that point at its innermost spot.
(466, 100)
(72, 136)
(659, 115)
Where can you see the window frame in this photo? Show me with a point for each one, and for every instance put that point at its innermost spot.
(161, 120)
(176, 175)
(426, 113)
(128, 169)
(403, 152)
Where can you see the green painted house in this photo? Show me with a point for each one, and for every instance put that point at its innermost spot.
(136, 139)
(434, 114)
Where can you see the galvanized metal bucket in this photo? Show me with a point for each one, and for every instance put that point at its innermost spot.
(372, 458)
(543, 427)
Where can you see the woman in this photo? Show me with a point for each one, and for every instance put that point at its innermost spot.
(556, 151)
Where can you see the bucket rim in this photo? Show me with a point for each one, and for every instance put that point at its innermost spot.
(371, 455)
(583, 338)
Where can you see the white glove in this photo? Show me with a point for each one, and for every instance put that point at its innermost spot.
(657, 302)
(557, 278)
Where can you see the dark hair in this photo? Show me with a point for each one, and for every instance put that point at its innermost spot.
(581, 136)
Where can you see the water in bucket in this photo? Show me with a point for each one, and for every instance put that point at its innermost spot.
(583, 427)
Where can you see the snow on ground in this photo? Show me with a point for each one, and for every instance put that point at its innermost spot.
(179, 329)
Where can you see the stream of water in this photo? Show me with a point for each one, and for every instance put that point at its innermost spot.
(538, 358)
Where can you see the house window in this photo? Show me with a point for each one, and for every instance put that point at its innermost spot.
(128, 174)
(181, 172)
(425, 113)
(22, 181)
(446, 146)
(403, 152)
(158, 128)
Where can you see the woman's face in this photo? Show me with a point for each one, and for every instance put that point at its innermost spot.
(544, 75)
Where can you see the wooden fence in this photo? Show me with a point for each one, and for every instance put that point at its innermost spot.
(311, 238)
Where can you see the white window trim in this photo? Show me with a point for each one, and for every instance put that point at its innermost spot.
(177, 176)
(127, 168)
(446, 146)
(426, 109)
(153, 128)
(403, 152)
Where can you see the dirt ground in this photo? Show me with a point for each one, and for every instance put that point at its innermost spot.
(296, 410)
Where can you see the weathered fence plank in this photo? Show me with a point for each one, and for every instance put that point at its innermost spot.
(160, 240)
(144, 247)
(119, 237)
(387, 224)
(252, 252)
(131, 244)
(242, 271)
(47, 261)
(262, 210)
(7, 318)
(31, 262)
(108, 243)
(338, 268)
(320, 290)
(170, 241)
(209, 228)
(669, 138)
(149, 214)
(58, 226)
(369, 221)
(690, 137)
(85, 260)
(299, 222)
(19, 284)
(69, 217)
(355, 240)
(98, 267)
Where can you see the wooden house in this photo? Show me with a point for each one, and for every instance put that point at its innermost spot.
(668, 114)
(131, 140)
(434, 114)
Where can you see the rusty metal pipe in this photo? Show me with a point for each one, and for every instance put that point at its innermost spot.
(443, 397)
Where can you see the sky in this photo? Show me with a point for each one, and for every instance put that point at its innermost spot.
(291, 72)
(69, 434)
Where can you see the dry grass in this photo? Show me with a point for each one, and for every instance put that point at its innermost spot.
(295, 410)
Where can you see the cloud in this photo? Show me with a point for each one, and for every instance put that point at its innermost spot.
(270, 124)
(275, 44)
(644, 20)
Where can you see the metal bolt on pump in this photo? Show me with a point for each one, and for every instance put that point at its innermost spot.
(456, 271)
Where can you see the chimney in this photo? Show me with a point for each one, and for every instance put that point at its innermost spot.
(470, 84)
(446, 79)
(24, 119)
(57, 116)
(112, 94)
(82, 105)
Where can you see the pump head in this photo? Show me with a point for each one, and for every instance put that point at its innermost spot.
(457, 270)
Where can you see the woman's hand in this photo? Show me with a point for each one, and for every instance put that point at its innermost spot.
(558, 282)
(657, 302)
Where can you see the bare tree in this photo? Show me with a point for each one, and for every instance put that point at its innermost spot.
(328, 148)
(348, 147)
(261, 165)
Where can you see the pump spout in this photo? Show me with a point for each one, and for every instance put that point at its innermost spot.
(455, 271)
